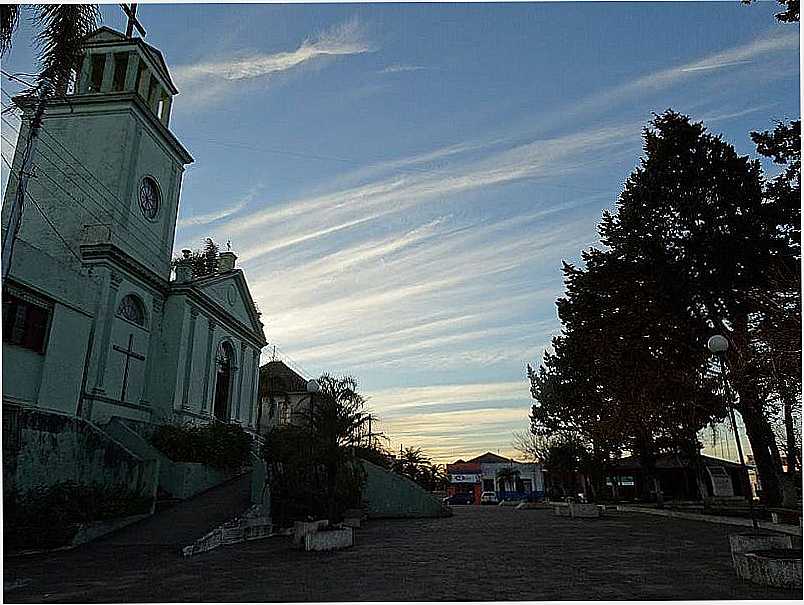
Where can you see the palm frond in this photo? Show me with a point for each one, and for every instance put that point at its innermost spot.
(9, 18)
(63, 28)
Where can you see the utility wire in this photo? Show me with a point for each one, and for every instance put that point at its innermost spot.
(44, 216)
(380, 163)
(16, 79)
(68, 193)
(151, 244)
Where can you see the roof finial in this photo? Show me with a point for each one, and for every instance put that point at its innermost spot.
(228, 245)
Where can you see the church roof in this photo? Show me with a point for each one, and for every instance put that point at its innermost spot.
(202, 287)
(277, 376)
(106, 35)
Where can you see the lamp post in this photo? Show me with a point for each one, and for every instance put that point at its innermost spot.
(718, 345)
(312, 388)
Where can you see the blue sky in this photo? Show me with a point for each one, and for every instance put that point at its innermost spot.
(402, 182)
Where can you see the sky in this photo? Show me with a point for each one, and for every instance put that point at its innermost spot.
(401, 183)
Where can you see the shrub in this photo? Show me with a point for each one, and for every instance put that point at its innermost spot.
(299, 475)
(48, 517)
(223, 446)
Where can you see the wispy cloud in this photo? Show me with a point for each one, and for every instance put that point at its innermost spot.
(538, 159)
(395, 69)
(745, 53)
(210, 78)
(216, 215)
(400, 271)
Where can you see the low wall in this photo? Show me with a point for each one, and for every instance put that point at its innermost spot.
(180, 479)
(390, 495)
(43, 448)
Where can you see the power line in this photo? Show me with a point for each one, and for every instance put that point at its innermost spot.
(95, 179)
(146, 244)
(44, 216)
(381, 163)
(152, 244)
(16, 79)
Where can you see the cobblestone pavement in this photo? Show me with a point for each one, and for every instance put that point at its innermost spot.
(481, 553)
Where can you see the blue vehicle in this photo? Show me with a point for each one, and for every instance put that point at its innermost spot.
(460, 498)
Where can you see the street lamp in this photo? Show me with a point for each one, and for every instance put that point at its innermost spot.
(312, 388)
(718, 345)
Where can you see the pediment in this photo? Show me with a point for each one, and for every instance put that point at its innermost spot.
(231, 293)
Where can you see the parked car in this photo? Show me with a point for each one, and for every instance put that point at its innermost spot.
(488, 498)
(462, 498)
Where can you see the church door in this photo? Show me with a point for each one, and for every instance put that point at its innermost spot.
(224, 364)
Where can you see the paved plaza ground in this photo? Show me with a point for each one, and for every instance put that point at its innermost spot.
(481, 553)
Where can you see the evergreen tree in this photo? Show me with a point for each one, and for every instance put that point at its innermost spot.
(688, 248)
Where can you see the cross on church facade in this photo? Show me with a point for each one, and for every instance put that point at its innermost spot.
(131, 12)
(129, 353)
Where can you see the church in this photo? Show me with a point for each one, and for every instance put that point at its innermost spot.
(96, 322)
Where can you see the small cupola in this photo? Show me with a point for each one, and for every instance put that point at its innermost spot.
(115, 64)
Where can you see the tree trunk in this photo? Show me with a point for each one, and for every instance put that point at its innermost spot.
(789, 401)
(763, 443)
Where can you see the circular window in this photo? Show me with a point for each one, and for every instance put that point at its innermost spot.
(149, 197)
(231, 295)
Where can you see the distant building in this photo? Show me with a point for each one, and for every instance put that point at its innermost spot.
(626, 478)
(283, 397)
(483, 474)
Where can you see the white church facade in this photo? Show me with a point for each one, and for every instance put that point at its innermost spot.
(95, 323)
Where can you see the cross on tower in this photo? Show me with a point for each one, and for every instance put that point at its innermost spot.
(131, 12)
(129, 353)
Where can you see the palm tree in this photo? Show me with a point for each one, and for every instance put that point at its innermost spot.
(507, 477)
(63, 28)
(337, 421)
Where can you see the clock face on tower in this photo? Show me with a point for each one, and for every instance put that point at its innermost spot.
(149, 197)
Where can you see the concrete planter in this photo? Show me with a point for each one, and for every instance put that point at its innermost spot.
(304, 528)
(767, 559)
(578, 510)
(776, 567)
(561, 509)
(329, 539)
(747, 542)
(257, 528)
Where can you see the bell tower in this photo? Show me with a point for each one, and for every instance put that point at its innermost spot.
(109, 168)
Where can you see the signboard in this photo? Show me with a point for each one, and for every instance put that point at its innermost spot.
(721, 481)
(464, 478)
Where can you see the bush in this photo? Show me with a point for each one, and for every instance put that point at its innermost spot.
(299, 474)
(223, 446)
(49, 517)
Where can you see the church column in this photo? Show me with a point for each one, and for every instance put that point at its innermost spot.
(240, 372)
(167, 101)
(131, 71)
(205, 406)
(155, 96)
(145, 83)
(108, 73)
(115, 279)
(83, 79)
(188, 361)
(255, 386)
(155, 331)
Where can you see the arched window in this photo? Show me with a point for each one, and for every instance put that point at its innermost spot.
(224, 374)
(132, 309)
